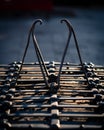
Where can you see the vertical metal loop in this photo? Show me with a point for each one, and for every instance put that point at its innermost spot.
(38, 52)
(71, 30)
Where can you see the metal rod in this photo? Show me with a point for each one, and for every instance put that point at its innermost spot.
(59, 106)
(71, 30)
(38, 52)
(65, 51)
(40, 57)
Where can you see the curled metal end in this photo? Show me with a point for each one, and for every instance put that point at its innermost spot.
(33, 27)
(67, 23)
(37, 21)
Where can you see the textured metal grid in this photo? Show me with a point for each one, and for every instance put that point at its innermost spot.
(31, 104)
(51, 95)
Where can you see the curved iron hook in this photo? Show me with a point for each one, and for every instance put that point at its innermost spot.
(36, 47)
(76, 42)
(77, 47)
(28, 40)
(65, 50)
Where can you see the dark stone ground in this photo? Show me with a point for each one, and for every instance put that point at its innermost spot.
(88, 24)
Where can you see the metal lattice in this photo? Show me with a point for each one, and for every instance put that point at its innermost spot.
(51, 95)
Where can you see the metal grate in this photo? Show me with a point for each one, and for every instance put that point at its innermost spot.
(51, 95)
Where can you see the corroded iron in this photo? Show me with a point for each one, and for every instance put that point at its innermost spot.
(51, 95)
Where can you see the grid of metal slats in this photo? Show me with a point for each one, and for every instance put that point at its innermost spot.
(30, 104)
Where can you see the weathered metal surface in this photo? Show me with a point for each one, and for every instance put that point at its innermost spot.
(51, 95)
(30, 104)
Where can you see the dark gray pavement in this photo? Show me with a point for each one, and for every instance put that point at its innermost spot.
(52, 35)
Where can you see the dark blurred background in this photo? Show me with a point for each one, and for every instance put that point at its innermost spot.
(86, 16)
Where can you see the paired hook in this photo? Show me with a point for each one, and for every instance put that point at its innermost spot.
(40, 58)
